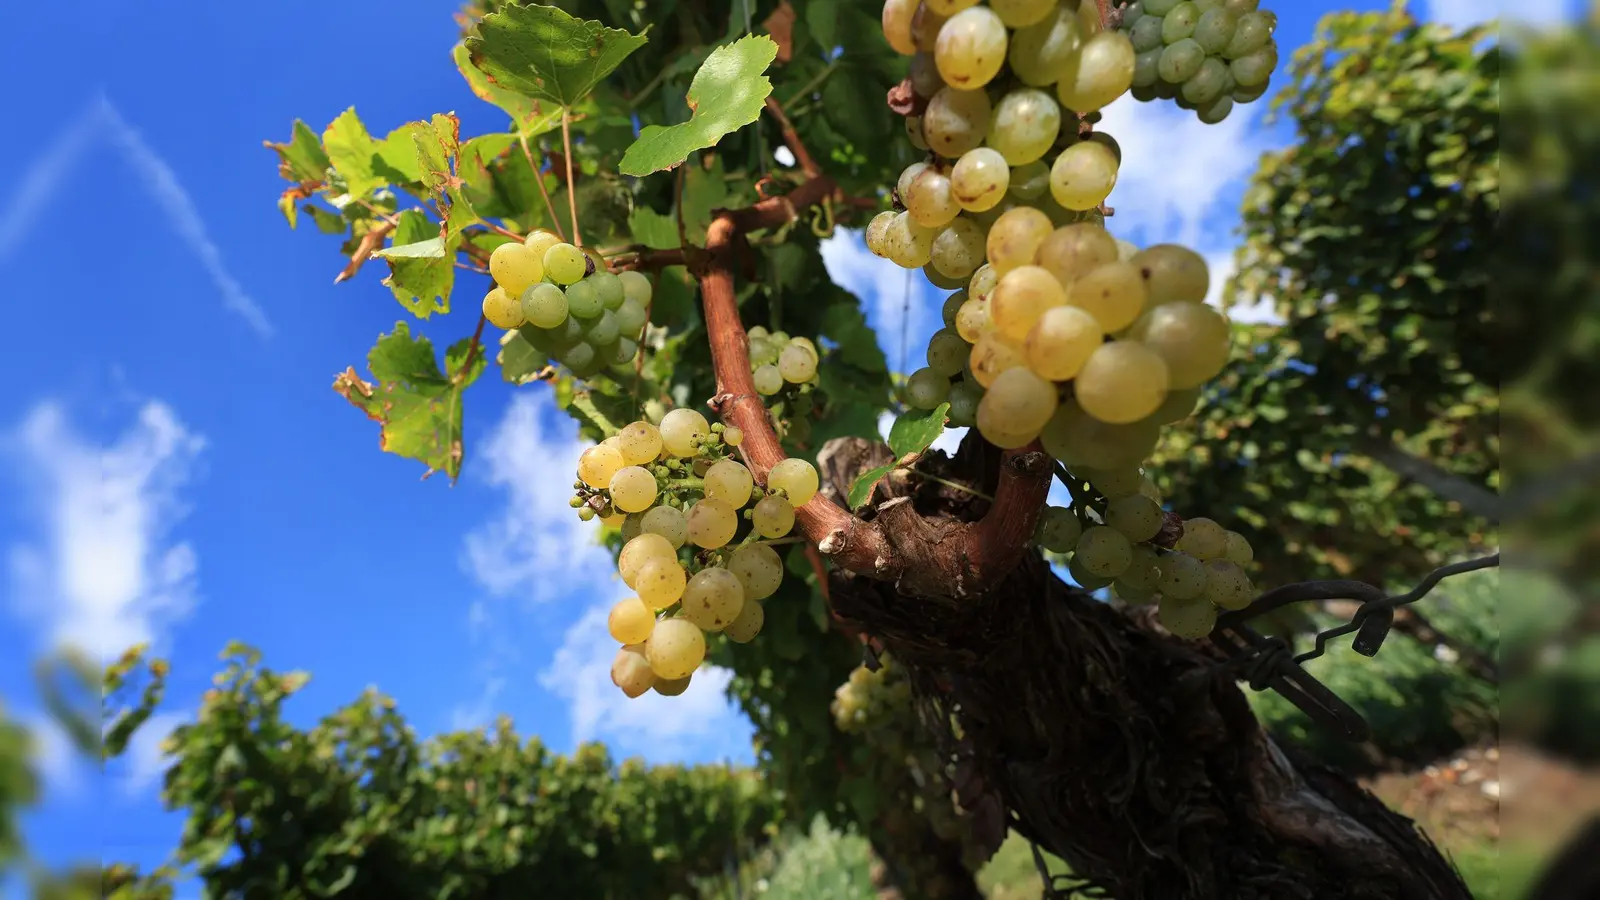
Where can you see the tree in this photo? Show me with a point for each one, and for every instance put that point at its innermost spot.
(1099, 733)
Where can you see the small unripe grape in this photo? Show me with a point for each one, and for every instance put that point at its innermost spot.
(598, 463)
(773, 517)
(744, 629)
(759, 568)
(1255, 68)
(713, 599)
(630, 621)
(796, 478)
(633, 489)
(1180, 61)
(1250, 33)
(712, 524)
(733, 436)
(676, 648)
(682, 430)
(501, 309)
(565, 264)
(729, 482)
(1059, 529)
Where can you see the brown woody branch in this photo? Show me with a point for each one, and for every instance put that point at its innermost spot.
(791, 138)
(932, 557)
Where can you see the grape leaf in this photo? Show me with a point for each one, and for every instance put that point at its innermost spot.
(367, 164)
(422, 269)
(727, 94)
(418, 407)
(519, 359)
(654, 230)
(916, 429)
(301, 158)
(861, 491)
(529, 117)
(543, 53)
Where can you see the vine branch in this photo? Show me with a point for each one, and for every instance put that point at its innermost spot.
(791, 139)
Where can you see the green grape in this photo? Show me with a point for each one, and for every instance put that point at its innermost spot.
(925, 81)
(1138, 517)
(1144, 569)
(1038, 52)
(539, 240)
(1191, 618)
(935, 277)
(1255, 68)
(902, 186)
(1072, 251)
(1182, 576)
(1104, 551)
(636, 287)
(1159, 7)
(583, 300)
(597, 464)
(796, 478)
(1060, 342)
(514, 267)
(672, 687)
(1216, 110)
(1239, 551)
(1113, 293)
(1098, 72)
(712, 524)
(1127, 593)
(1121, 382)
(1179, 23)
(1191, 339)
(1015, 237)
(675, 649)
(565, 264)
(897, 15)
(952, 305)
(729, 482)
(929, 199)
(1173, 274)
(1023, 126)
(1227, 585)
(1018, 403)
(603, 329)
(947, 353)
(1249, 94)
(1083, 175)
(1145, 34)
(797, 364)
(633, 489)
(682, 430)
(1086, 579)
(1180, 61)
(1059, 529)
(1206, 85)
(914, 132)
(1022, 13)
(1146, 71)
(1179, 405)
(744, 629)
(980, 179)
(1079, 439)
(501, 309)
(971, 48)
(1215, 30)
(610, 289)
(877, 233)
(623, 350)
(713, 599)
(1149, 489)
(1251, 33)
(1116, 483)
(910, 245)
(639, 551)
(630, 317)
(955, 122)
(957, 251)
(579, 357)
(772, 517)
(1240, 7)
(631, 672)
(1203, 539)
(759, 570)
(668, 522)
(543, 305)
(768, 380)
(630, 621)
(926, 389)
(964, 399)
(1030, 181)
(632, 526)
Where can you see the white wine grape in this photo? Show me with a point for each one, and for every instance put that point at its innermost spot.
(897, 16)
(993, 354)
(630, 621)
(1104, 551)
(1115, 483)
(1227, 585)
(1182, 576)
(713, 599)
(502, 309)
(668, 522)
(1059, 529)
(1022, 13)
(1079, 439)
(947, 353)
(1144, 569)
(712, 524)
(639, 443)
(682, 430)
(1060, 342)
(910, 245)
(1239, 551)
(1186, 617)
(1015, 237)
(676, 648)
(797, 363)
(1173, 274)
(956, 121)
(959, 249)
(1203, 539)
(660, 581)
(1018, 402)
(1136, 516)
(772, 517)
(640, 550)
(1038, 53)
(729, 482)
(768, 380)
(744, 629)
(979, 180)
(515, 267)
(1113, 293)
(1072, 251)
(543, 305)
(1021, 299)
(796, 478)
(565, 264)
(633, 489)
(1192, 339)
(972, 321)
(1121, 382)
(636, 286)
(1023, 126)
(1083, 175)
(597, 464)
(1098, 72)
(926, 389)
(758, 568)
(877, 233)
(631, 671)
(971, 48)
(930, 201)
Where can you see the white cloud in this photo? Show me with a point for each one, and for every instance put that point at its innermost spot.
(144, 762)
(784, 156)
(949, 441)
(103, 573)
(699, 724)
(536, 545)
(1462, 13)
(41, 182)
(899, 303)
(54, 757)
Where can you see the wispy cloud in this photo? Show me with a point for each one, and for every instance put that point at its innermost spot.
(701, 724)
(102, 571)
(42, 180)
(143, 762)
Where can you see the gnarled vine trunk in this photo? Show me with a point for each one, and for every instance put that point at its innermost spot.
(1114, 745)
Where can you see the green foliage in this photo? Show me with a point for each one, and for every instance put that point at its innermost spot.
(912, 432)
(727, 94)
(542, 53)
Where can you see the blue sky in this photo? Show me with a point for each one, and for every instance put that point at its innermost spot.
(178, 469)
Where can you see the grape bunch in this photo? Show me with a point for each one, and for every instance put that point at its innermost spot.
(1113, 544)
(567, 303)
(1206, 55)
(681, 500)
(784, 370)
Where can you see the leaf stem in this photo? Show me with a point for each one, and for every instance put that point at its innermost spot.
(572, 196)
(472, 352)
(953, 484)
(538, 177)
(815, 82)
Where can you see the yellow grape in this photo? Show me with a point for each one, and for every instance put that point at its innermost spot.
(956, 121)
(1173, 274)
(675, 649)
(1191, 338)
(641, 550)
(1039, 52)
(949, 7)
(759, 568)
(1227, 585)
(910, 245)
(1098, 72)
(631, 671)
(1079, 439)
(979, 180)
(1017, 403)
(1015, 237)
(1083, 175)
(797, 363)
(1113, 293)
(631, 621)
(1239, 551)
(1203, 539)
(992, 355)
(930, 201)
(667, 522)
(598, 464)
(712, 524)
(1182, 576)
(1022, 13)
(983, 281)
(877, 233)
(633, 489)
(1061, 341)
(1024, 125)
(733, 435)
(972, 320)
(729, 482)
(1186, 617)
(959, 249)
(909, 174)
(1114, 484)
(636, 287)
(796, 478)
(660, 581)
(713, 599)
(539, 240)
(501, 309)
(515, 267)
(1179, 405)
(640, 442)
(1021, 298)
(1072, 251)
(773, 516)
(971, 48)
(565, 264)
(672, 687)
(897, 25)
(744, 629)
(1121, 382)
(682, 430)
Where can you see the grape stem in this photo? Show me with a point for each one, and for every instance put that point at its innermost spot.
(966, 555)
(791, 139)
(472, 352)
(952, 484)
(538, 177)
(572, 196)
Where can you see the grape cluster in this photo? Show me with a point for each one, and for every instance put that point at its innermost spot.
(1113, 543)
(784, 370)
(567, 303)
(1206, 55)
(680, 500)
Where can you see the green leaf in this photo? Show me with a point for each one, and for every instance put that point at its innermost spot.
(418, 407)
(353, 153)
(861, 491)
(727, 94)
(655, 230)
(914, 431)
(529, 117)
(543, 53)
(302, 157)
(519, 359)
(422, 269)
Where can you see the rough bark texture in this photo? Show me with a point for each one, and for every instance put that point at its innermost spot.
(1114, 745)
